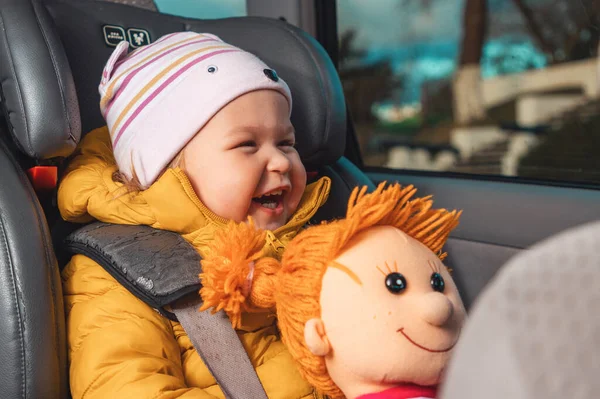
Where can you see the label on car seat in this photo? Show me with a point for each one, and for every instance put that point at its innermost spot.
(113, 35)
(138, 37)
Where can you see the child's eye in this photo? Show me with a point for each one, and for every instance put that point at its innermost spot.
(249, 143)
(287, 143)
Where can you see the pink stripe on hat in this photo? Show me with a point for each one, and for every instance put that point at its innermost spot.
(186, 74)
(125, 64)
(160, 88)
(132, 74)
(141, 50)
(135, 54)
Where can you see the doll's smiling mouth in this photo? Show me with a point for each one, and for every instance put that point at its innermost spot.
(401, 330)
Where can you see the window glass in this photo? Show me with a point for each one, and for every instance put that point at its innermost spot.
(203, 9)
(503, 87)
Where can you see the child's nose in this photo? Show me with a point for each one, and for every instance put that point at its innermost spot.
(436, 308)
(278, 162)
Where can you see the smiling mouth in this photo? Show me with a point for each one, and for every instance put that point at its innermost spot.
(401, 330)
(271, 200)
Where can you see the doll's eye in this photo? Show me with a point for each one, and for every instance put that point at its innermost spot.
(437, 282)
(395, 283)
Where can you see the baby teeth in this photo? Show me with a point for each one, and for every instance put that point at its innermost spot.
(278, 192)
(270, 205)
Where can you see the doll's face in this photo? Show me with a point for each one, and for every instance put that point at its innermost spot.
(390, 313)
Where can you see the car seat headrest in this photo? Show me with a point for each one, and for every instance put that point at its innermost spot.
(38, 94)
(41, 76)
(533, 332)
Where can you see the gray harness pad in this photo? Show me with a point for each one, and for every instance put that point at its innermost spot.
(161, 268)
(157, 266)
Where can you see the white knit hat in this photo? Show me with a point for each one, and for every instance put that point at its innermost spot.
(156, 98)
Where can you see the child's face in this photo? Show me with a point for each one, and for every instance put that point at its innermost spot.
(243, 161)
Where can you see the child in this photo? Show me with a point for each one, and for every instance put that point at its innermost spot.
(198, 133)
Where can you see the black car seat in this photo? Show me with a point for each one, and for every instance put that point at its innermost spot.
(51, 56)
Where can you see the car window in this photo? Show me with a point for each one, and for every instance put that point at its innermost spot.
(500, 87)
(202, 9)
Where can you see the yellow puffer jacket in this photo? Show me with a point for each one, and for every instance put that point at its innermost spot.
(119, 347)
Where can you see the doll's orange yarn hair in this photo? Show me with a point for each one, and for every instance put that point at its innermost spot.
(294, 287)
(226, 269)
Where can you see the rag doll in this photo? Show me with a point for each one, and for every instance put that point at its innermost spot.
(364, 304)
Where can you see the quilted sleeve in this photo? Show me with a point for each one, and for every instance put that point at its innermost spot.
(119, 347)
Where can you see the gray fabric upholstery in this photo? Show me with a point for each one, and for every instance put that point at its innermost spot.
(474, 264)
(535, 330)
